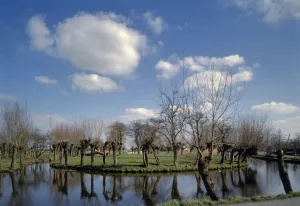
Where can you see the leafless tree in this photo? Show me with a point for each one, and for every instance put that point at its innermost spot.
(116, 137)
(172, 119)
(212, 98)
(17, 128)
(40, 143)
(135, 131)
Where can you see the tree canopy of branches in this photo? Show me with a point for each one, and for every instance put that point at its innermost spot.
(16, 129)
(116, 137)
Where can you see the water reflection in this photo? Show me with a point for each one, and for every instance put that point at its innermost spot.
(40, 185)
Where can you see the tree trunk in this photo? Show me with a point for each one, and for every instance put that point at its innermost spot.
(156, 158)
(239, 159)
(21, 155)
(145, 158)
(54, 153)
(66, 155)
(81, 156)
(13, 158)
(71, 150)
(104, 156)
(138, 151)
(3, 150)
(203, 166)
(175, 155)
(92, 154)
(223, 156)
(283, 173)
(9, 150)
(231, 157)
(115, 155)
(60, 155)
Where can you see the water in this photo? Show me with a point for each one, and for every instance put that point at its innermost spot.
(40, 185)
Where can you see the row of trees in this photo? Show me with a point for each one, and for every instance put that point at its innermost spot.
(18, 136)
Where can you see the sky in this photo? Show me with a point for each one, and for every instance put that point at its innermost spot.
(105, 59)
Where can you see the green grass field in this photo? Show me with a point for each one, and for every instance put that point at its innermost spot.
(5, 163)
(134, 163)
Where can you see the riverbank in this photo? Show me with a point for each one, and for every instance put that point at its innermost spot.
(231, 200)
(134, 164)
(294, 160)
(5, 163)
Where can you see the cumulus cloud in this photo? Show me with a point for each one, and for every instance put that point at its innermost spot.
(166, 69)
(197, 64)
(92, 83)
(7, 97)
(157, 24)
(40, 36)
(104, 43)
(273, 11)
(219, 79)
(45, 121)
(277, 107)
(45, 80)
(131, 114)
(242, 76)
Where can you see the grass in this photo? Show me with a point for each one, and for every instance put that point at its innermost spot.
(229, 201)
(132, 163)
(5, 163)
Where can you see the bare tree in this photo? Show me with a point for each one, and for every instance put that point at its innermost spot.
(17, 128)
(39, 143)
(212, 97)
(116, 137)
(172, 119)
(135, 131)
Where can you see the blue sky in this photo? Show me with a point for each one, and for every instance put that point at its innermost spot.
(103, 59)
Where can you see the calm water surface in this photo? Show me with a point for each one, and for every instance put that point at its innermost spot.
(40, 185)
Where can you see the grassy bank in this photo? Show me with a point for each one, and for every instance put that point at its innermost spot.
(132, 163)
(5, 163)
(229, 201)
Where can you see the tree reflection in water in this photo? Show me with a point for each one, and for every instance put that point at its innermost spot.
(175, 193)
(199, 193)
(155, 190)
(32, 185)
(115, 195)
(225, 190)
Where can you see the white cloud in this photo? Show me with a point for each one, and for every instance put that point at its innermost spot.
(289, 125)
(242, 76)
(157, 24)
(40, 36)
(199, 63)
(45, 121)
(45, 80)
(131, 114)
(104, 43)
(166, 69)
(219, 79)
(7, 97)
(93, 83)
(277, 107)
(273, 11)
